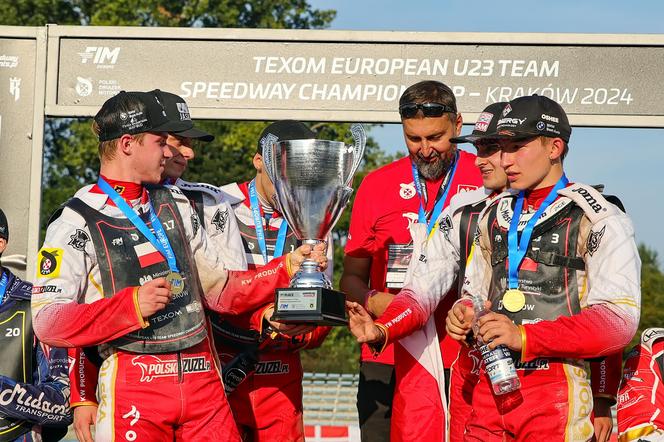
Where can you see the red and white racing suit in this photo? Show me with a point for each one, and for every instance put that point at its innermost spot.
(581, 279)
(441, 262)
(385, 213)
(89, 270)
(641, 398)
(267, 405)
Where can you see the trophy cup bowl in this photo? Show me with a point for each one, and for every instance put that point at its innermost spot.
(312, 179)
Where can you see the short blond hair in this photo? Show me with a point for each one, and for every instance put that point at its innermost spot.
(108, 148)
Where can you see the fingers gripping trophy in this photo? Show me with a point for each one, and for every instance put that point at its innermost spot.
(312, 179)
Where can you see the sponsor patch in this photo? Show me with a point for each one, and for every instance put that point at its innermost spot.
(152, 367)
(49, 263)
(78, 240)
(594, 240)
(220, 219)
(407, 191)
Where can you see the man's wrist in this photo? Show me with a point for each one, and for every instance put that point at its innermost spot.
(367, 299)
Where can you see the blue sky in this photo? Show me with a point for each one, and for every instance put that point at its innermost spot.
(626, 161)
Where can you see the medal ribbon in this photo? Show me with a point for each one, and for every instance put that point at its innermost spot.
(159, 239)
(438, 207)
(518, 246)
(260, 231)
(3, 286)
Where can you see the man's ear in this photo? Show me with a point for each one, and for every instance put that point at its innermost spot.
(556, 149)
(125, 144)
(258, 162)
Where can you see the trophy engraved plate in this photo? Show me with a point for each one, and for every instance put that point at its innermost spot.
(312, 179)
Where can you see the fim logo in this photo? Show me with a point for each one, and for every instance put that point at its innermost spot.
(101, 56)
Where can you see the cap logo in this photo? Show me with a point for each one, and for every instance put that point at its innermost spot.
(541, 125)
(268, 140)
(184, 111)
(507, 109)
(123, 116)
(482, 124)
(550, 118)
(136, 120)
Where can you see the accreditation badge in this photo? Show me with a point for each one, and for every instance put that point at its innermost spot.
(398, 259)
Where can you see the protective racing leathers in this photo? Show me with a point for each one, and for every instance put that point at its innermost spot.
(580, 277)
(211, 212)
(641, 398)
(34, 386)
(267, 404)
(90, 268)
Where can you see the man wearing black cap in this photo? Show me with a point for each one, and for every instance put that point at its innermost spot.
(267, 404)
(28, 369)
(137, 292)
(559, 265)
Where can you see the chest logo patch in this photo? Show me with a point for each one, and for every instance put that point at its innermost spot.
(407, 191)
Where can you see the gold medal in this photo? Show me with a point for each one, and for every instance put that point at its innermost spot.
(177, 282)
(514, 300)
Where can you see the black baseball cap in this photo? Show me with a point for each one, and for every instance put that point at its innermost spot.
(533, 116)
(133, 113)
(282, 131)
(485, 126)
(178, 111)
(4, 226)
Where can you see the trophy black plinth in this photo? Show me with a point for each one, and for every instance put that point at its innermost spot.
(316, 305)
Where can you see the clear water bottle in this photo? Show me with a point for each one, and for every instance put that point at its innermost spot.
(498, 362)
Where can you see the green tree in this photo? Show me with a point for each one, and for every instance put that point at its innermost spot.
(652, 291)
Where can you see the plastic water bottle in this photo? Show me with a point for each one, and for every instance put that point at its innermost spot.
(498, 362)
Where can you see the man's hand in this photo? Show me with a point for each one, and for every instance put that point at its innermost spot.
(153, 296)
(85, 416)
(377, 303)
(603, 421)
(361, 325)
(305, 251)
(289, 330)
(498, 330)
(459, 321)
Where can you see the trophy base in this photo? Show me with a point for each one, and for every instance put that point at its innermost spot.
(315, 305)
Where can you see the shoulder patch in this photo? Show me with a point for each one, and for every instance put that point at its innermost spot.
(593, 203)
(594, 239)
(650, 335)
(78, 240)
(220, 219)
(49, 262)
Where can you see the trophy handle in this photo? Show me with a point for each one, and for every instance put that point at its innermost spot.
(268, 162)
(360, 141)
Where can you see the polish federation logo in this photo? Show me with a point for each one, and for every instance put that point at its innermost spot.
(407, 191)
(83, 86)
(465, 188)
(152, 367)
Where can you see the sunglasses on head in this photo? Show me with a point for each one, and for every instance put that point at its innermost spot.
(409, 110)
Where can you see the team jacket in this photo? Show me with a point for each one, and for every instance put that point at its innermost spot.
(641, 399)
(34, 385)
(581, 275)
(69, 305)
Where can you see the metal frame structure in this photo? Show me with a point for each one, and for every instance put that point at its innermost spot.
(51, 39)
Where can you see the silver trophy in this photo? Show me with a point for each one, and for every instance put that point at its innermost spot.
(313, 181)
